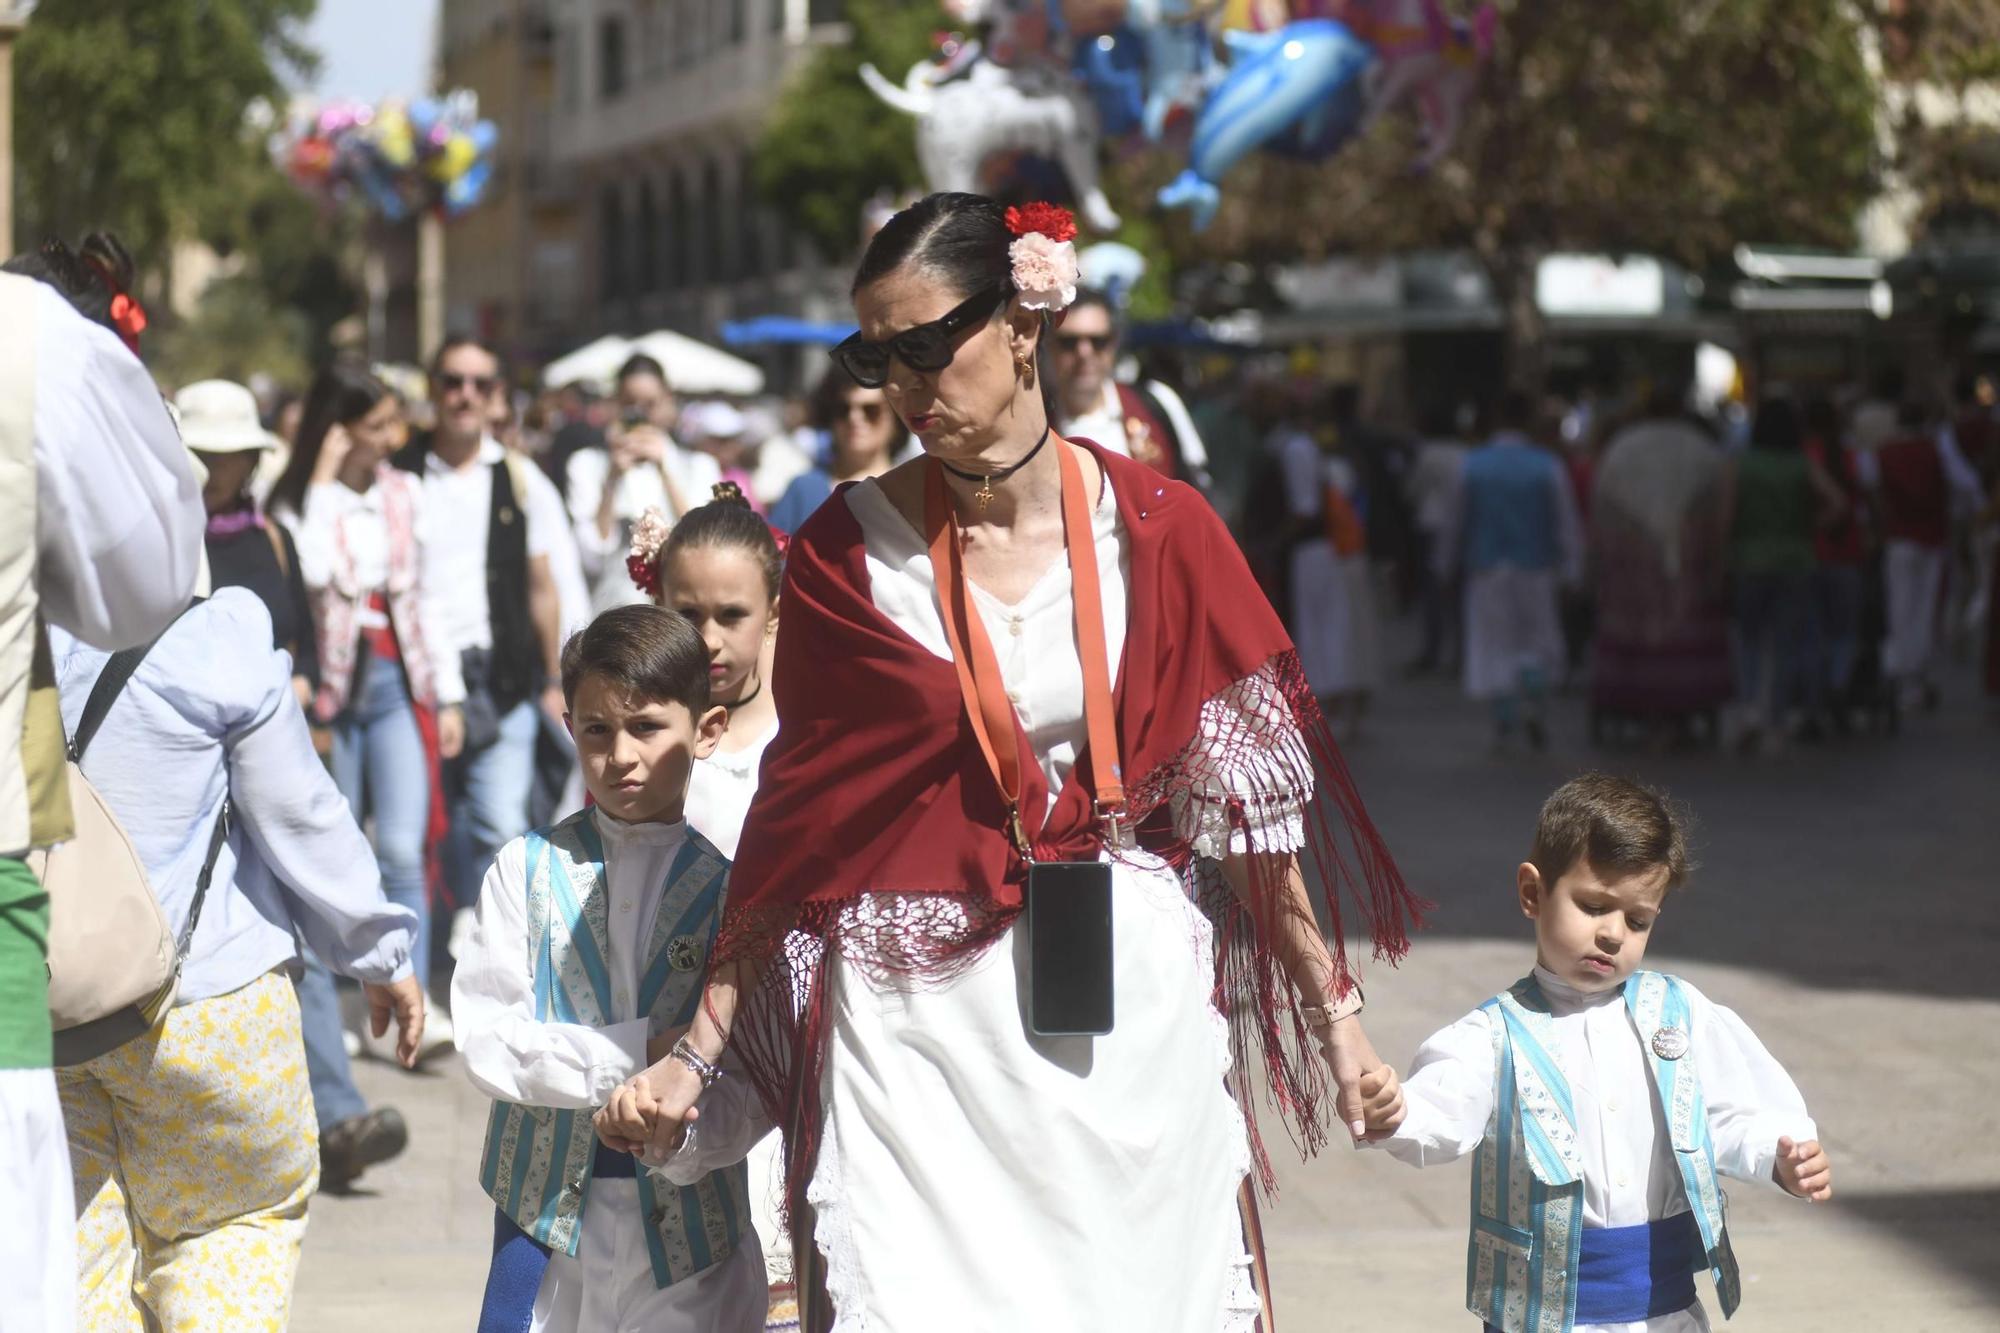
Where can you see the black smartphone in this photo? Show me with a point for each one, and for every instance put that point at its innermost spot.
(1068, 906)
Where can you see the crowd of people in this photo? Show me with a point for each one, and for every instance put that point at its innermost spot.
(684, 765)
(1789, 569)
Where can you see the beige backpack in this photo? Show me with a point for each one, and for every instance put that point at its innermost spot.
(114, 966)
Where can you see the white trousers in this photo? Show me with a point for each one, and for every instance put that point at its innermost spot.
(608, 1287)
(38, 1258)
(1912, 575)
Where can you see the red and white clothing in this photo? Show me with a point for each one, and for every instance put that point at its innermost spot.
(362, 554)
(953, 1160)
(963, 1154)
(1125, 423)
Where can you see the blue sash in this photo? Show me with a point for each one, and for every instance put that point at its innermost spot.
(520, 1261)
(1628, 1274)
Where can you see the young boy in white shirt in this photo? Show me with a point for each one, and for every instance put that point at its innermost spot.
(1600, 1102)
(591, 943)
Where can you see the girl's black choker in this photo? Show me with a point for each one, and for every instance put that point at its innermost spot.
(746, 698)
(985, 492)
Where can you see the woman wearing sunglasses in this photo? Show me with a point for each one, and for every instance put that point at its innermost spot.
(865, 438)
(1018, 868)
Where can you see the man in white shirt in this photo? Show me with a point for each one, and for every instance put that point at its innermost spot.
(100, 534)
(1147, 421)
(493, 575)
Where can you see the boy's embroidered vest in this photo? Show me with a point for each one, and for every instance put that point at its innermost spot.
(1527, 1177)
(536, 1165)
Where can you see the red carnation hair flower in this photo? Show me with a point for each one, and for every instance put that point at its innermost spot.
(645, 574)
(1050, 220)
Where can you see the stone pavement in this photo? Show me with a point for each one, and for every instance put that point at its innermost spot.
(1848, 905)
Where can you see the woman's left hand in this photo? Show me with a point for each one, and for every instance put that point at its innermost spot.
(451, 731)
(1349, 1054)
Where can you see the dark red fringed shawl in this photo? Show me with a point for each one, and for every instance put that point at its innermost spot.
(875, 784)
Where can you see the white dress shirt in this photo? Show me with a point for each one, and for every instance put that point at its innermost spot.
(339, 517)
(459, 501)
(119, 514)
(1629, 1173)
(210, 713)
(641, 488)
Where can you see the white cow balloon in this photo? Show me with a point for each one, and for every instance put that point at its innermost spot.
(993, 109)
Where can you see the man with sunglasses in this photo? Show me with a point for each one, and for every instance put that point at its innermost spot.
(1146, 422)
(496, 575)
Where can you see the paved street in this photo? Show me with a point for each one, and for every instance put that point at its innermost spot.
(1846, 906)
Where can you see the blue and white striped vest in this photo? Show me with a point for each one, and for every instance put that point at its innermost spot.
(1527, 1177)
(536, 1164)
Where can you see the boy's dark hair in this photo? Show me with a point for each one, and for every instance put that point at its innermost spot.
(647, 651)
(1616, 826)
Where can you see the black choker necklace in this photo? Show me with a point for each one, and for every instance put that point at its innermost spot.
(985, 492)
(746, 698)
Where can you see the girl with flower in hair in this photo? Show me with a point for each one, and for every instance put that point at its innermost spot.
(1019, 677)
(719, 568)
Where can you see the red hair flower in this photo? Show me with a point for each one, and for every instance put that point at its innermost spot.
(130, 318)
(1044, 219)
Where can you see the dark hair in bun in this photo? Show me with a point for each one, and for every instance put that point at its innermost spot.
(728, 522)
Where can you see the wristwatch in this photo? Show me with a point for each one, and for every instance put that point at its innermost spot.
(1321, 1016)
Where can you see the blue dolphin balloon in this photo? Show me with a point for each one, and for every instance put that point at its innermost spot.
(1294, 85)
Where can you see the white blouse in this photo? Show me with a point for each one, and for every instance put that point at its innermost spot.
(720, 790)
(337, 516)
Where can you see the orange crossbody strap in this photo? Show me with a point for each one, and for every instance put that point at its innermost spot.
(979, 679)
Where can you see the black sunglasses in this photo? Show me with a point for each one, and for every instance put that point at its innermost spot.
(484, 384)
(927, 348)
(1097, 342)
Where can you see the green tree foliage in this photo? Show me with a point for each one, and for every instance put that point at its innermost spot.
(1671, 127)
(829, 145)
(130, 117)
(1941, 60)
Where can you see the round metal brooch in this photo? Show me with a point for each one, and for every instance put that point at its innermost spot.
(1670, 1043)
(684, 954)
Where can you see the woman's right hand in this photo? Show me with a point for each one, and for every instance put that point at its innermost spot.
(333, 451)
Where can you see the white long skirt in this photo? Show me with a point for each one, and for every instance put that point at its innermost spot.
(975, 1177)
(1333, 619)
(1512, 625)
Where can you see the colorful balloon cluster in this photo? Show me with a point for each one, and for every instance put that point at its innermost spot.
(400, 157)
(1301, 78)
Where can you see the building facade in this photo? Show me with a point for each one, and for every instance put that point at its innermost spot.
(624, 200)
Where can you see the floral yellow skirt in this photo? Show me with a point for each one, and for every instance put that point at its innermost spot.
(194, 1150)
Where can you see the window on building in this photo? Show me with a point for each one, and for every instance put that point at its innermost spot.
(739, 20)
(647, 230)
(611, 243)
(825, 11)
(569, 74)
(611, 71)
(676, 239)
(776, 13)
(685, 40)
(715, 246)
(749, 223)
